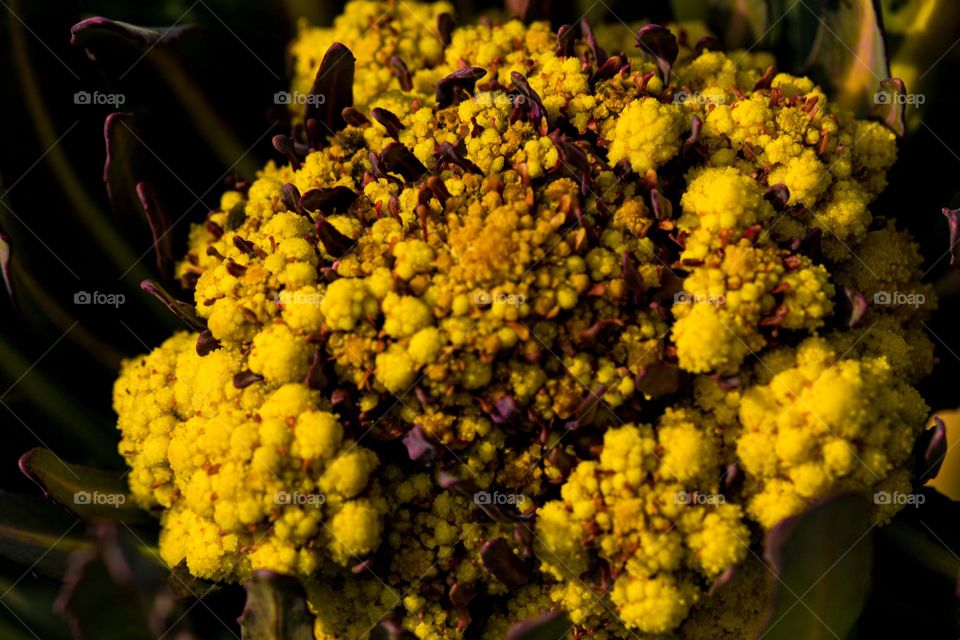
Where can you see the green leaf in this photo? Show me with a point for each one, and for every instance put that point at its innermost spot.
(114, 571)
(36, 533)
(740, 24)
(92, 494)
(849, 55)
(276, 609)
(821, 559)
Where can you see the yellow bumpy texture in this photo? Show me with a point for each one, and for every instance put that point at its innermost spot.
(546, 326)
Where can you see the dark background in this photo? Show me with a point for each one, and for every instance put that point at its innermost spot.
(202, 102)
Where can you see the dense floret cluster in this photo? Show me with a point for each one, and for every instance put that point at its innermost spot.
(531, 326)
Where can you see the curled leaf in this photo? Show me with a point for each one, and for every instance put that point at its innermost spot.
(531, 106)
(92, 494)
(335, 243)
(389, 120)
(159, 223)
(858, 306)
(183, 310)
(402, 73)
(398, 159)
(953, 221)
(328, 200)
(459, 85)
(889, 106)
(929, 451)
(658, 41)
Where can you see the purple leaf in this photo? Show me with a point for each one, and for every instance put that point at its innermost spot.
(159, 223)
(332, 89)
(389, 121)
(778, 195)
(447, 153)
(418, 447)
(445, 28)
(565, 39)
(459, 85)
(120, 167)
(529, 10)
(86, 31)
(398, 159)
(335, 243)
(553, 625)
(246, 378)
(599, 55)
(183, 310)
(659, 42)
(400, 70)
(659, 379)
(531, 106)
(290, 197)
(328, 200)
(390, 630)
(316, 378)
(953, 221)
(506, 566)
(6, 254)
(929, 451)
(858, 306)
(206, 343)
